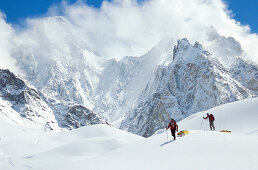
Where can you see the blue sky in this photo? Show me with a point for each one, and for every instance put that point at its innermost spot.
(244, 11)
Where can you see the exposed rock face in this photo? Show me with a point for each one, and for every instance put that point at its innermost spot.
(70, 115)
(78, 116)
(192, 82)
(143, 91)
(245, 73)
(28, 107)
(25, 105)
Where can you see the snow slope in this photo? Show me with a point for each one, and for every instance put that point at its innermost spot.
(177, 78)
(238, 117)
(192, 82)
(25, 105)
(105, 147)
(21, 103)
(200, 150)
(24, 148)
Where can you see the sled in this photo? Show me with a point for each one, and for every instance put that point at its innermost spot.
(227, 131)
(183, 133)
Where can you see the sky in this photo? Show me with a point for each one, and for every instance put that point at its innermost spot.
(245, 12)
(48, 29)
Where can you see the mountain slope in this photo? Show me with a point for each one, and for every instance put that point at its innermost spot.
(245, 73)
(105, 147)
(135, 90)
(111, 96)
(121, 82)
(192, 82)
(64, 70)
(21, 103)
(238, 117)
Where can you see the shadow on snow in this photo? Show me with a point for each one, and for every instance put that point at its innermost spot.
(172, 140)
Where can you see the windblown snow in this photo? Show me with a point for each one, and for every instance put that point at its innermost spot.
(139, 94)
(105, 147)
(75, 106)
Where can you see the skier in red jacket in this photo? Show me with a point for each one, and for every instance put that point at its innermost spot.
(211, 120)
(173, 127)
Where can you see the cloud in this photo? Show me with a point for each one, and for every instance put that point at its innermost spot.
(6, 31)
(126, 27)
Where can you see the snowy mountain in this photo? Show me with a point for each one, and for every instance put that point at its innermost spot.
(226, 49)
(23, 104)
(142, 92)
(192, 82)
(70, 115)
(105, 147)
(245, 73)
(64, 70)
(123, 81)
(111, 96)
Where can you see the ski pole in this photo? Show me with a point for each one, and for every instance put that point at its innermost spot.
(167, 134)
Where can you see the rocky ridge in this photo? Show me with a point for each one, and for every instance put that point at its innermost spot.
(192, 82)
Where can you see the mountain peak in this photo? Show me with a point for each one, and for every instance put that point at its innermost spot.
(185, 50)
(192, 82)
(182, 44)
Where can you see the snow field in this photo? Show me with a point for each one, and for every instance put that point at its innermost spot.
(238, 117)
(104, 147)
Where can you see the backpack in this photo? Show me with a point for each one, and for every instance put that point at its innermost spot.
(212, 117)
(172, 125)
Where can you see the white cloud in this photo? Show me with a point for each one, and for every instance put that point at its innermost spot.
(6, 31)
(125, 27)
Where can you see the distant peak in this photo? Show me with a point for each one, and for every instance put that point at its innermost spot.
(197, 45)
(183, 44)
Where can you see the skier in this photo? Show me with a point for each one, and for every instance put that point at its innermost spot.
(173, 127)
(211, 120)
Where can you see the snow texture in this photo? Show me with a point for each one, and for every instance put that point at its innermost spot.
(23, 104)
(139, 94)
(104, 147)
(20, 102)
(246, 73)
(192, 82)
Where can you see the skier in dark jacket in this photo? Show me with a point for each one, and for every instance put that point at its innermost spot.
(211, 120)
(173, 127)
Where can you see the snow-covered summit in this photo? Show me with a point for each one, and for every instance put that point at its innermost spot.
(174, 80)
(59, 63)
(192, 82)
(185, 51)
